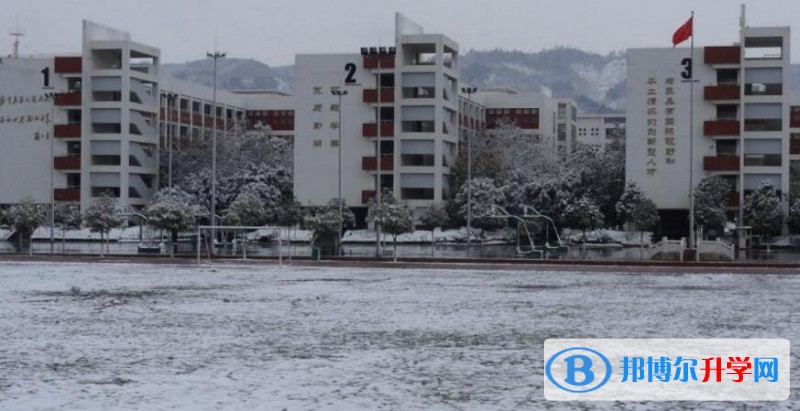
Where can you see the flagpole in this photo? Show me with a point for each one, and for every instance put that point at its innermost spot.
(691, 142)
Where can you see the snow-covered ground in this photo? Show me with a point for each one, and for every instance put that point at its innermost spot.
(131, 336)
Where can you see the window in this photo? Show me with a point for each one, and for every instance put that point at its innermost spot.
(73, 180)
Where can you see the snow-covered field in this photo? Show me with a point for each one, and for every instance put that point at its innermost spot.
(128, 336)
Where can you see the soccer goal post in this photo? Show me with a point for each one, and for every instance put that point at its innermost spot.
(233, 239)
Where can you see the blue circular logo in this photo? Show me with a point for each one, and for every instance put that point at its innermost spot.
(578, 370)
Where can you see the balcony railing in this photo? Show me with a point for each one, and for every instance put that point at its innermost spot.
(68, 65)
(721, 163)
(371, 95)
(794, 146)
(371, 129)
(367, 196)
(68, 99)
(67, 130)
(386, 62)
(721, 128)
(67, 163)
(371, 163)
(721, 92)
(67, 194)
(722, 55)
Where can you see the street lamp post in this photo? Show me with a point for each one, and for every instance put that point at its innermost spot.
(52, 96)
(378, 53)
(216, 55)
(469, 91)
(339, 92)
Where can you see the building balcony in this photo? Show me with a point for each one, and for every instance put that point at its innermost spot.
(371, 163)
(67, 163)
(67, 130)
(721, 92)
(713, 128)
(722, 55)
(733, 199)
(68, 65)
(794, 146)
(371, 95)
(385, 62)
(371, 129)
(794, 120)
(721, 163)
(367, 196)
(67, 194)
(68, 99)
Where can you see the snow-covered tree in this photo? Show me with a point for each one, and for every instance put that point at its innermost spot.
(249, 160)
(324, 222)
(762, 210)
(246, 210)
(485, 195)
(628, 201)
(25, 217)
(435, 216)
(68, 215)
(393, 217)
(583, 214)
(172, 210)
(710, 200)
(794, 216)
(643, 215)
(290, 213)
(100, 216)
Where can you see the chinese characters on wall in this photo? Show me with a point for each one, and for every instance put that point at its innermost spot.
(22, 109)
(318, 117)
(668, 142)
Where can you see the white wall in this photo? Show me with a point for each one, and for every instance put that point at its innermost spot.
(315, 168)
(25, 162)
(669, 186)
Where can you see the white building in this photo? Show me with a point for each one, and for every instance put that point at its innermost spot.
(598, 129)
(414, 87)
(112, 117)
(740, 124)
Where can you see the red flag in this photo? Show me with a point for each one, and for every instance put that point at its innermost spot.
(682, 33)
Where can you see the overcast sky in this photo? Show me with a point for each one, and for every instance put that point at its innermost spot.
(274, 31)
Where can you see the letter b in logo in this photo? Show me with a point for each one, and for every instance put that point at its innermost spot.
(582, 365)
(578, 370)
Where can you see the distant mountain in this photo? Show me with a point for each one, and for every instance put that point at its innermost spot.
(596, 82)
(234, 74)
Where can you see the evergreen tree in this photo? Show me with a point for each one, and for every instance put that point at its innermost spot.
(710, 200)
(485, 195)
(172, 210)
(393, 217)
(25, 217)
(100, 216)
(762, 210)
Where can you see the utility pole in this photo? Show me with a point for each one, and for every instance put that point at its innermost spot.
(16, 33)
(339, 92)
(469, 91)
(216, 55)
